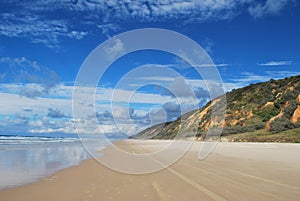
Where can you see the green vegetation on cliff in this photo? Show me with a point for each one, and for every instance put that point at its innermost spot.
(269, 108)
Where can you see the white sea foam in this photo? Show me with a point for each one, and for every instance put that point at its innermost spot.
(33, 140)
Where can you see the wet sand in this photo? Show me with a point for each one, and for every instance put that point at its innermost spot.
(234, 171)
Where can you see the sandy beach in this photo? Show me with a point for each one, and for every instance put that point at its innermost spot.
(234, 171)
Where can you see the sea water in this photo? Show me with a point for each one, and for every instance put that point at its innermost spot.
(27, 159)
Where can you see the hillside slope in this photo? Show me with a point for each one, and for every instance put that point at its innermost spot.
(273, 106)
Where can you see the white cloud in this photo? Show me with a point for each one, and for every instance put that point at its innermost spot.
(32, 90)
(120, 95)
(36, 27)
(212, 65)
(114, 49)
(180, 88)
(248, 77)
(77, 34)
(156, 78)
(37, 80)
(269, 7)
(208, 45)
(23, 114)
(14, 103)
(33, 27)
(30, 20)
(282, 74)
(276, 63)
(55, 113)
(107, 29)
(20, 61)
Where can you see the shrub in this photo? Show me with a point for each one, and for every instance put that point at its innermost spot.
(243, 129)
(267, 113)
(289, 95)
(289, 110)
(281, 124)
(279, 103)
(267, 117)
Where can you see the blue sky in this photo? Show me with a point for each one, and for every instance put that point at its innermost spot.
(44, 43)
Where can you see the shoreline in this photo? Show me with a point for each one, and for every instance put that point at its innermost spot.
(23, 163)
(269, 169)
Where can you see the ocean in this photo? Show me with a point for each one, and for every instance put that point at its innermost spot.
(27, 159)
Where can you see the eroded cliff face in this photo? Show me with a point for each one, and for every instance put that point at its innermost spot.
(257, 106)
(296, 116)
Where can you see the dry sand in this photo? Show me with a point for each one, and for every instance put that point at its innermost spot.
(234, 171)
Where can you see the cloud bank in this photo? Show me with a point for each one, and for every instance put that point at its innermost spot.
(49, 21)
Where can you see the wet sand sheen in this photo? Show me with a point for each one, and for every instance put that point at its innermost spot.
(234, 171)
